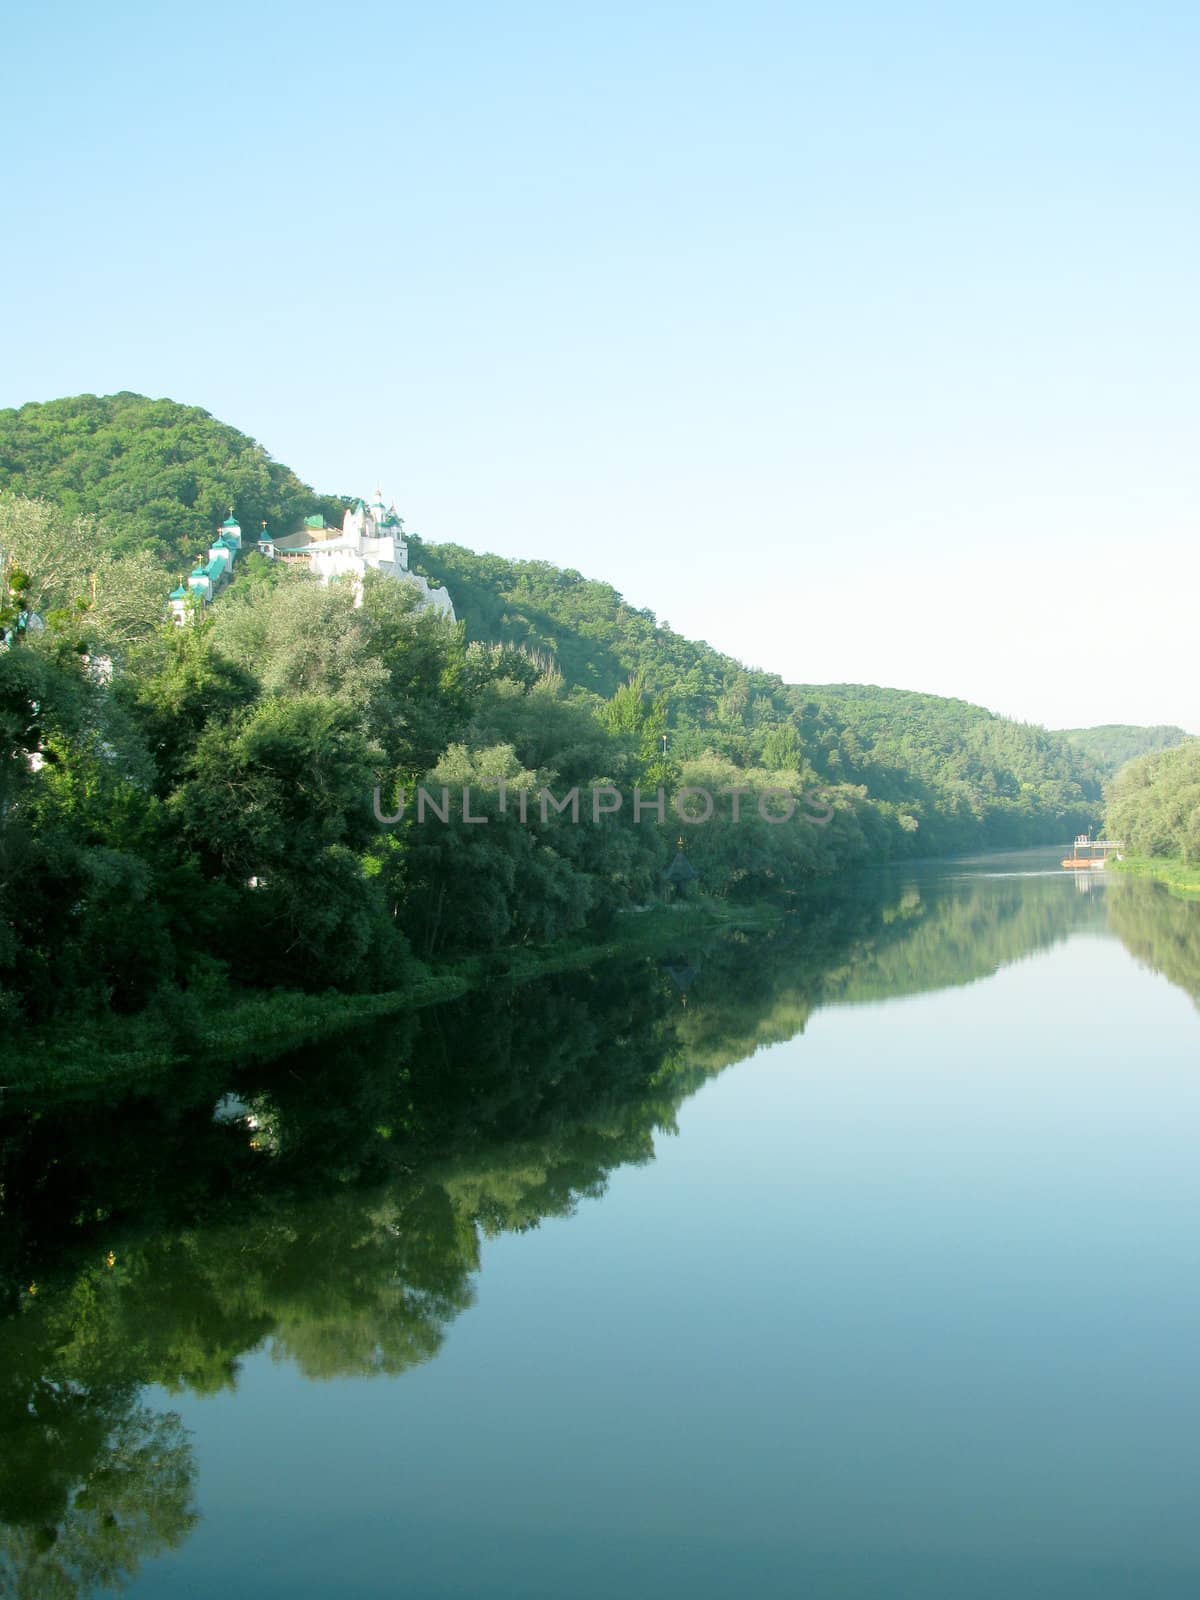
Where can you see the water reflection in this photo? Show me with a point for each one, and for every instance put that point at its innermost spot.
(335, 1205)
(1163, 932)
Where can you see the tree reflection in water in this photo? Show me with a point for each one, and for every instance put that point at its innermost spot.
(339, 1222)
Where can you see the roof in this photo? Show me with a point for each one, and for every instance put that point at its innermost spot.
(265, 536)
(315, 522)
(215, 568)
(178, 594)
(222, 544)
(232, 522)
(199, 573)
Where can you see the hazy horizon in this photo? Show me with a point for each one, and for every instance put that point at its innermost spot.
(860, 345)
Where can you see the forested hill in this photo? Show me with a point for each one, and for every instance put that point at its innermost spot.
(596, 639)
(1154, 804)
(961, 774)
(1109, 747)
(160, 476)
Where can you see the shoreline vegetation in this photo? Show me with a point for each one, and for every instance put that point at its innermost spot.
(1153, 804)
(190, 861)
(1178, 877)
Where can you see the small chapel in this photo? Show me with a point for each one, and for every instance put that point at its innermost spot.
(370, 539)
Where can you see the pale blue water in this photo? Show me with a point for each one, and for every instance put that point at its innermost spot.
(909, 1305)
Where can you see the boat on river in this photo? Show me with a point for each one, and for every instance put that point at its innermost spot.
(1084, 856)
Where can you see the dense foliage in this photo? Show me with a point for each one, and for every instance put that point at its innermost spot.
(158, 474)
(185, 809)
(1109, 747)
(944, 775)
(1154, 805)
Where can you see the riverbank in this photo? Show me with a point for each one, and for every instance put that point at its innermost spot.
(1181, 880)
(122, 1051)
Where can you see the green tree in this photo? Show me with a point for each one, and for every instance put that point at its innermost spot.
(276, 807)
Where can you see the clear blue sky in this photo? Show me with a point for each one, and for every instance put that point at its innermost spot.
(860, 340)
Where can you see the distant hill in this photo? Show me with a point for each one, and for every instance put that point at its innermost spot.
(948, 775)
(1110, 746)
(159, 475)
(960, 772)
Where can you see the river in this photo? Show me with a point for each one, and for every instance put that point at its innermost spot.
(854, 1257)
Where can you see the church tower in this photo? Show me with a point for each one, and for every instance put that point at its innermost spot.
(231, 531)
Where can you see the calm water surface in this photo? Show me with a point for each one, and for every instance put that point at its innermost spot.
(855, 1259)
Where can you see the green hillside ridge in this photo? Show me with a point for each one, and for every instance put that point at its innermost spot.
(193, 803)
(957, 772)
(159, 475)
(1153, 806)
(1111, 745)
(948, 775)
